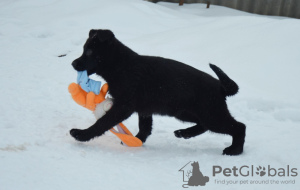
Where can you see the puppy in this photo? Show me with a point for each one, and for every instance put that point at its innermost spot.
(152, 85)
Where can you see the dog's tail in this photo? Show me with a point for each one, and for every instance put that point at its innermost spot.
(229, 86)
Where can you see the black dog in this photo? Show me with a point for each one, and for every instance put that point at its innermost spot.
(153, 85)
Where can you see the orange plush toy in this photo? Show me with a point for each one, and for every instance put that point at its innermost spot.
(100, 105)
(87, 100)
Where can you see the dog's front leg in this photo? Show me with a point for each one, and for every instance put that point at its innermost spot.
(145, 126)
(114, 116)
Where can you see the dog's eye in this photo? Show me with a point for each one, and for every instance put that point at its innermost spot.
(88, 52)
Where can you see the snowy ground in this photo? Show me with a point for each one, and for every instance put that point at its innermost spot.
(260, 53)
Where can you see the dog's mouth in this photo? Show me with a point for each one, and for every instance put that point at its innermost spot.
(78, 66)
(79, 69)
(90, 72)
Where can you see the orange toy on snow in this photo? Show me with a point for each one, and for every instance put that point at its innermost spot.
(100, 105)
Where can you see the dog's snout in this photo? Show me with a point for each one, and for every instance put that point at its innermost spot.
(77, 66)
(74, 64)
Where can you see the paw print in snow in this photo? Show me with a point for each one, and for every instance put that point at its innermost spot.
(261, 171)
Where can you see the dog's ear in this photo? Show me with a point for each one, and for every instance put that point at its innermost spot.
(92, 33)
(105, 35)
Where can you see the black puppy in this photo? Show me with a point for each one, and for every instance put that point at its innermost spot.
(153, 85)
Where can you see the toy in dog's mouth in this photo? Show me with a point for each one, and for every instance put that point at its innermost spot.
(90, 72)
(88, 94)
(78, 67)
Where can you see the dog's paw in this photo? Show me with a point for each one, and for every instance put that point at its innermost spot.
(178, 134)
(233, 151)
(80, 135)
(182, 134)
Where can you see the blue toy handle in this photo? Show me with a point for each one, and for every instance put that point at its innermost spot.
(88, 84)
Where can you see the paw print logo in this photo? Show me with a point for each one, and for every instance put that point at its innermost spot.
(261, 171)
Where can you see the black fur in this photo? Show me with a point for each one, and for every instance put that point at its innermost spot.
(229, 86)
(153, 85)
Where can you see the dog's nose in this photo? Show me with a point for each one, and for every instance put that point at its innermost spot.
(74, 64)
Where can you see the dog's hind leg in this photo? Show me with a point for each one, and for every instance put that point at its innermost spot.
(145, 127)
(191, 131)
(238, 132)
(221, 121)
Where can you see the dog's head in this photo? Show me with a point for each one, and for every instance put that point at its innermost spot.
(94, 50)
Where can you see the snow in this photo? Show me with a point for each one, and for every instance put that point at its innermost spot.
(261, 53)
